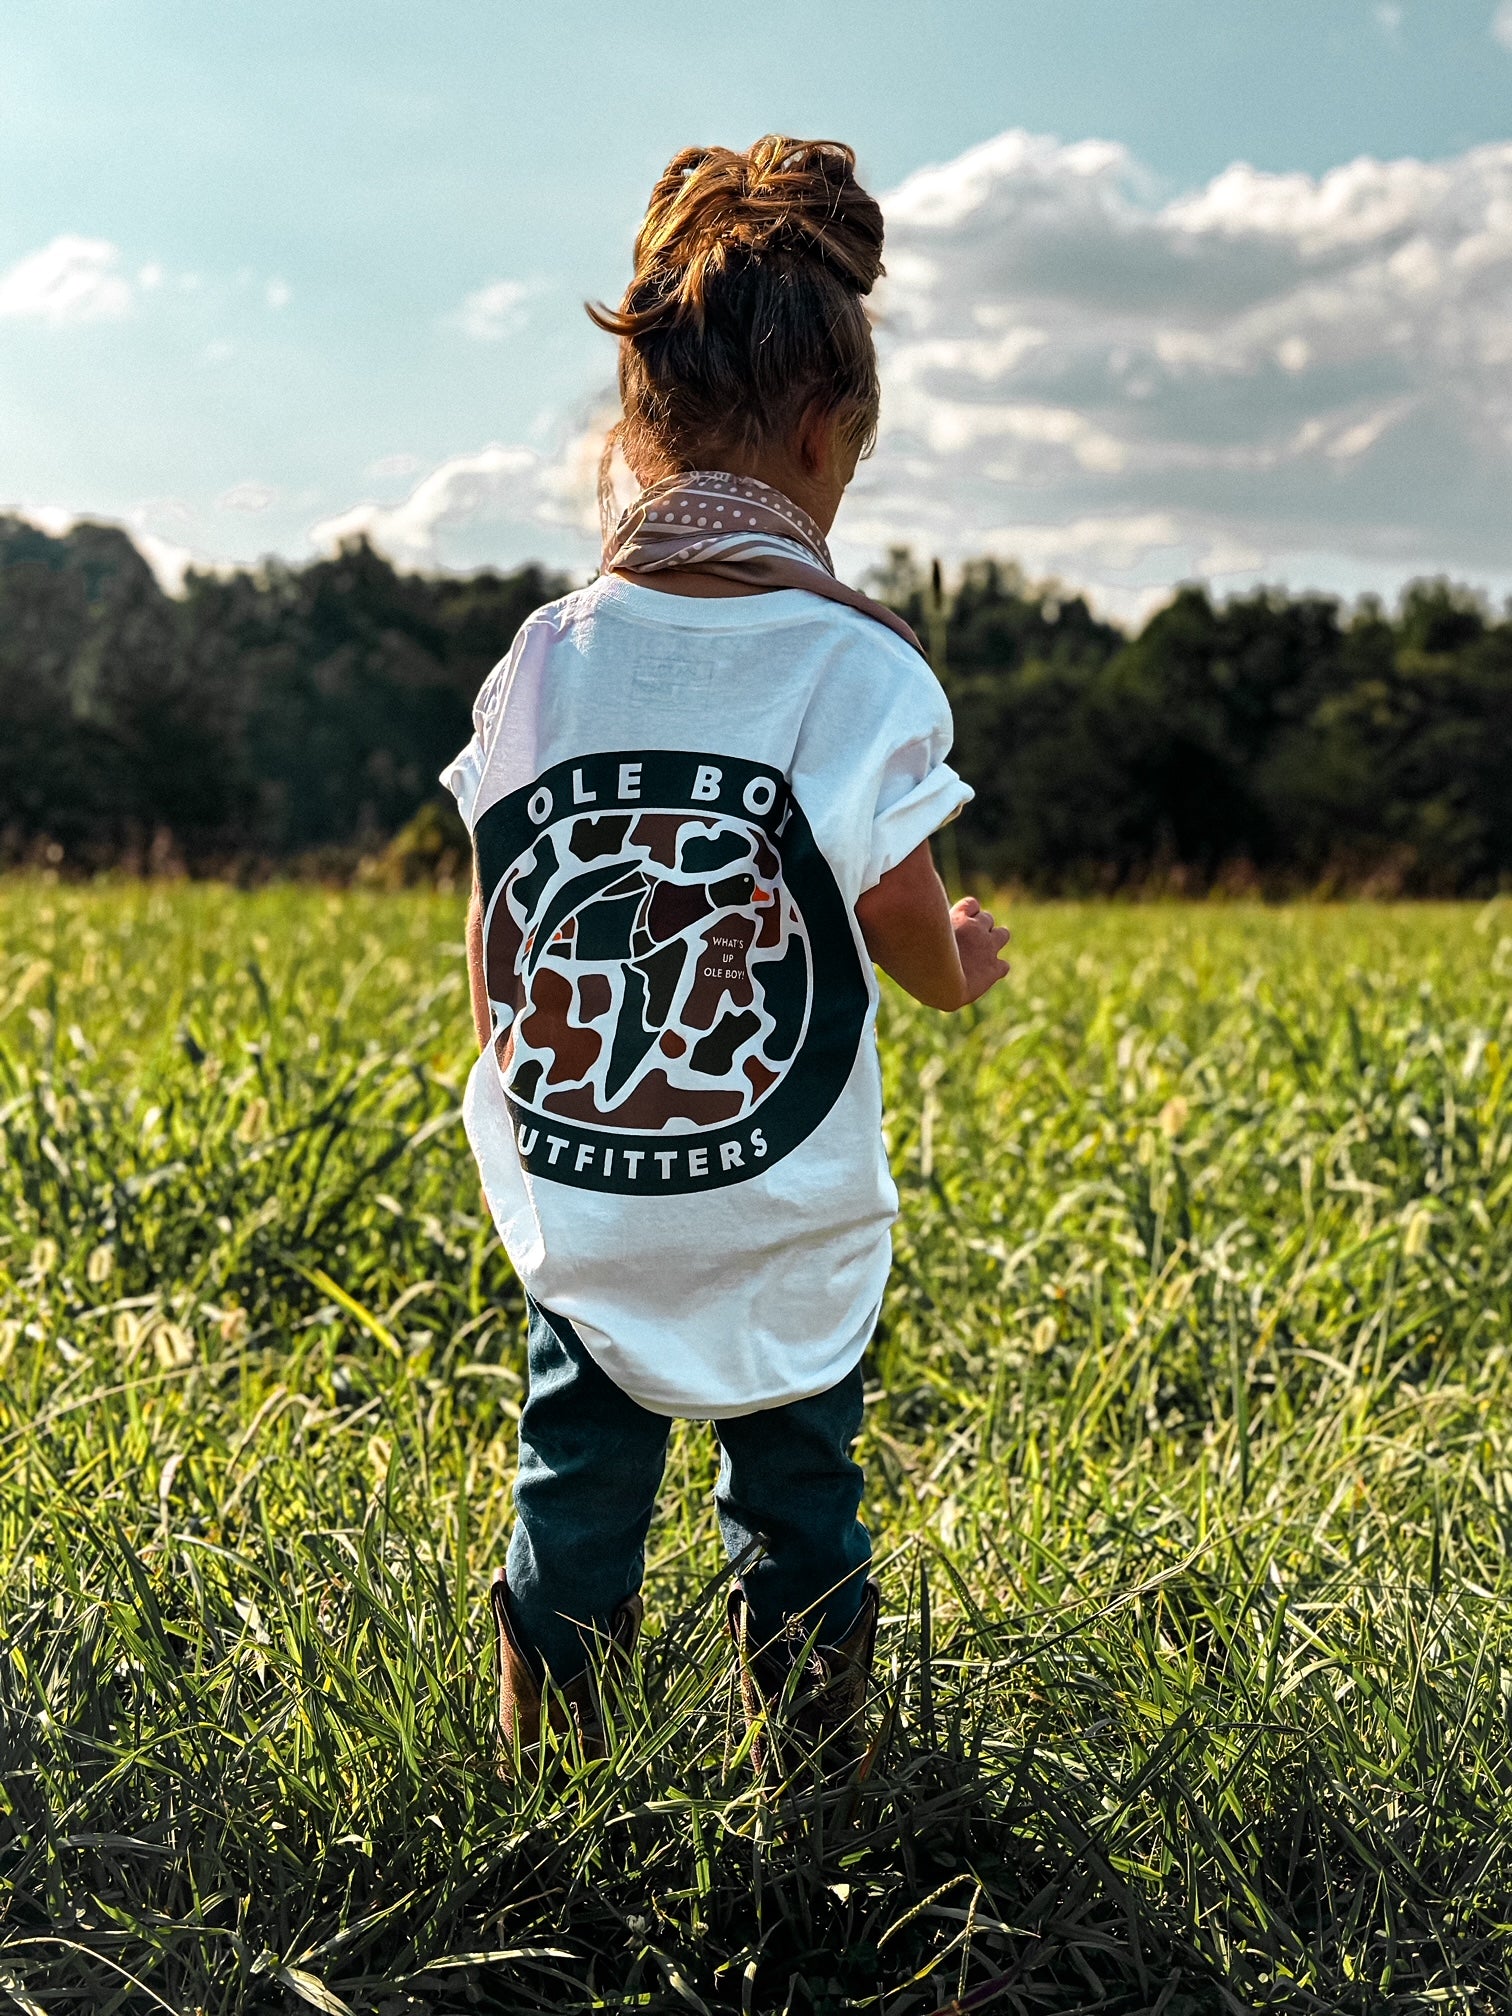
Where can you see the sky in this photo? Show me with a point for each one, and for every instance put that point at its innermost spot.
(1216, 288)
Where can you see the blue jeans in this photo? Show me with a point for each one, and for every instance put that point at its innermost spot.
(591, 1460)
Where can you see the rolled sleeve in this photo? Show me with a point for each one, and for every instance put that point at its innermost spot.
(921, 809)
(463, 775)
(914, 790)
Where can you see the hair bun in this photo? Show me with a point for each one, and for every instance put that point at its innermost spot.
(781, 200)
(747, 305)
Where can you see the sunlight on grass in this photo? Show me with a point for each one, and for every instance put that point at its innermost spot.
(1189, 1463)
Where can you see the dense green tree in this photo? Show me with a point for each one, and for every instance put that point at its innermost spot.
(1021, 666)
(1274, 734)
(261, 716)
(302, 713)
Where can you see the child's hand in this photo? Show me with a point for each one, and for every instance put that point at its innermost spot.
(978, 943)
(945, 958)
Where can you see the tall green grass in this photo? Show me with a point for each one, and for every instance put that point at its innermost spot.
(1190, 1468)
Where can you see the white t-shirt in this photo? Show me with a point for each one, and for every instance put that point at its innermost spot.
(675, 804)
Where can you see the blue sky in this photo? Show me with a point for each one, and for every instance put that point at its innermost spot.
(274, 267)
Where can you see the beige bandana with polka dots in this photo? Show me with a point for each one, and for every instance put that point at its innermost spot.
(705, 521)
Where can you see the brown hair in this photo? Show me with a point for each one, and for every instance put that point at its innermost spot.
(746, 305)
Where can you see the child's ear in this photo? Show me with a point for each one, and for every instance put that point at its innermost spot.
(815, 440)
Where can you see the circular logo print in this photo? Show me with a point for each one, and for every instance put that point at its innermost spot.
(673, 978)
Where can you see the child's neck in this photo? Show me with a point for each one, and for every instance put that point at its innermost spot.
(811, 471)
(811, 466)
(816, 491)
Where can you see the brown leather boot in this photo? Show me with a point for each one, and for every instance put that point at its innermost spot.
(576, 1706)
(817, 1710)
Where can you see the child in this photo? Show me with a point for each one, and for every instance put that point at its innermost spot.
(701, 792)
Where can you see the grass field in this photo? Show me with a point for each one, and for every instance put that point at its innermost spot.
(1190, 1463)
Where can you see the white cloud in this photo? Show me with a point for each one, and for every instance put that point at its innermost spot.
(169, 561)
(497, 310)
(1268, 373)
(394, 465)
(278, 294)
(73, 279)
(1501, 24)
(1277, 376)
(249, 497)
(1389, 16)
(54, 519)
(497, 485)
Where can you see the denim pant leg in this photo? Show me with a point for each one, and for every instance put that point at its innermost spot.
(788, 1477)
(590, 1464)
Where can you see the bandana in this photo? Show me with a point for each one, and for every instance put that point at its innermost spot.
(705, 521)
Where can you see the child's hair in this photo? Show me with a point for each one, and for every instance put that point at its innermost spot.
(746, 305)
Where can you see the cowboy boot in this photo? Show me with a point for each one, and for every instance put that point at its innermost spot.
(578, 1703)
(818, 1699)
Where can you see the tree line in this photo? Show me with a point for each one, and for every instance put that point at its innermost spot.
(287, 715)
(296, 718)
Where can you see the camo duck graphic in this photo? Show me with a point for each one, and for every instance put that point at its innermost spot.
(676, 987)
(647, 971)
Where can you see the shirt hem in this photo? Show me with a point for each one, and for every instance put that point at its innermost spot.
(689, 1409)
